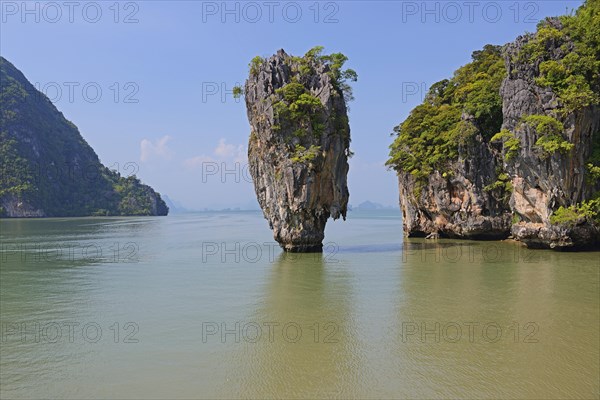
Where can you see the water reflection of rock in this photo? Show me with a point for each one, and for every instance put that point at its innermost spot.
(302, 291)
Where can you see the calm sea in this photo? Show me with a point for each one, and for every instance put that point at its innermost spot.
(205, 305)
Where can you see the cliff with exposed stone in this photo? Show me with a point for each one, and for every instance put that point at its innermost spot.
(533, 180)
(298, 148)
(543, 182)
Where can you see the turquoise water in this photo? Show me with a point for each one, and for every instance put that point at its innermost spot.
(205, 305)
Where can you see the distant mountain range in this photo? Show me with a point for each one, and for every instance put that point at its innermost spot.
(369, 205)
(174, 206)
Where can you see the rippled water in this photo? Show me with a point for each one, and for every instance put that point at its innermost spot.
(206, 305)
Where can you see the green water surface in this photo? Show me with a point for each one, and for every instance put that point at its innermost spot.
(206, 305)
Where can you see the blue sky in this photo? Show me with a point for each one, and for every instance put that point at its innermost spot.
(164, 68)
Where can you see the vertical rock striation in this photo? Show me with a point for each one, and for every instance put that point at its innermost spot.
(299, 146)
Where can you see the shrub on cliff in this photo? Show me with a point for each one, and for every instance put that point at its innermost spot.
(587, 211)
(575, 76)
(431, 134)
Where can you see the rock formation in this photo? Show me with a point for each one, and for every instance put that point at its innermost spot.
(446, 176)
(299, 144)
(523, 158)
(456, 205)
(544, 181)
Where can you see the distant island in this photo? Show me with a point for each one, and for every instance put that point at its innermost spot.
(510, 145)
(47, 169)
(174, 206)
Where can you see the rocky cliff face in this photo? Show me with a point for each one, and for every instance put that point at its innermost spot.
(47, 169)
(446, 164)
(544, 181)
(532, 180)
(456, 205)
(298, 148)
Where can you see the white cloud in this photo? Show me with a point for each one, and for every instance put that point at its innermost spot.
(197, 161)
(224, 152)
(224, 149)
(155, 149)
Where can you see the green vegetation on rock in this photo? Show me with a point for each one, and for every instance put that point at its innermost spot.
(335, 62)
(304, 155)
(503, 184)
(510, 143)
(255, 64)
(298, 111)
(593, 161)
(549, 131)
(429, 138)
(294, 107)
(574, 77)
(238, 92)
(585, 211)
(594, 172)
(298, 108)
